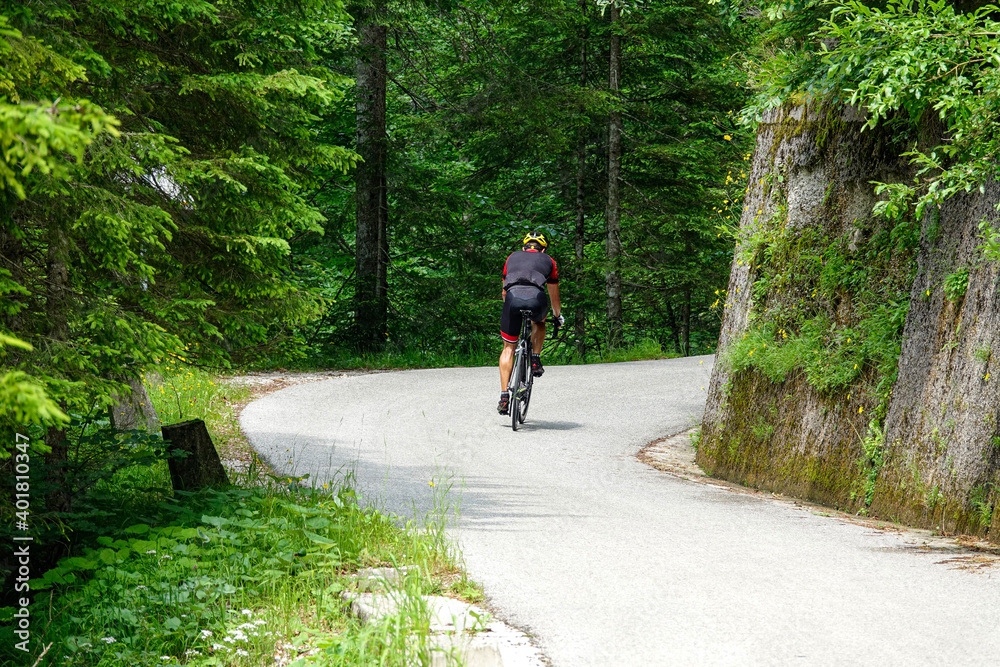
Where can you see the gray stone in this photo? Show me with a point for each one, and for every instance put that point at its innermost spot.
(379, 578)
(448, 615)
(459, 632)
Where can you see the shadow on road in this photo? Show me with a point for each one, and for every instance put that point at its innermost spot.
(534, 425)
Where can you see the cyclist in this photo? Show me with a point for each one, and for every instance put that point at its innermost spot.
(526, 275)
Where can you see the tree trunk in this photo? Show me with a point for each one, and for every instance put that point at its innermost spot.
(134, 411)
(672, 323)
(201, 466)
(686, 323)
(56, 311)
(581, 172)
(372, 242)
(613, 280)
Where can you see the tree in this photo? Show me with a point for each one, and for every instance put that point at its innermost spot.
(497, 123)
(613, 281)
(372, 241)
(580, 228)
(157, 160)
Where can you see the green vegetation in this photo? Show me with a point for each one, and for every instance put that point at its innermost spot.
(956, 284)
(873, 460)
(499, 115)
(907, 63)
(228, 576)
(232, 577)
(803, 281)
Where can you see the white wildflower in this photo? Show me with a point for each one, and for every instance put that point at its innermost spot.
(240, 651)
(246, 612)
(151, 551)
(206, 634)
(260, 621)
(110, 640)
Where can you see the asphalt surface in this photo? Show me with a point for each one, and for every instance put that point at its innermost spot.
(609, 562)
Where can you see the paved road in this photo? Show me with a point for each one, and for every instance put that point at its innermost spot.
(609, 562)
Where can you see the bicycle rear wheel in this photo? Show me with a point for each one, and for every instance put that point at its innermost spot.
(514, 388)
(526, 398)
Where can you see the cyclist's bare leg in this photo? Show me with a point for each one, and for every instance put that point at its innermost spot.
(537, 336)
(506, 364)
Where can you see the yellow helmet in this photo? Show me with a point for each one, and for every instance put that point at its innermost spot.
(535, 237)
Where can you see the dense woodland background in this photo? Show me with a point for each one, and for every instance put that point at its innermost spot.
(221, 183)
(215, 184)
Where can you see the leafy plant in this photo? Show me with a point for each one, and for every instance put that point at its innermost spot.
(200, 578)
(956, 284)
(696, 439)
(991, 241)
(982, 504)
(873, 446)
(922, 58)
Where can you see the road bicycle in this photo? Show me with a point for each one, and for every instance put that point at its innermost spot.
(521, 378)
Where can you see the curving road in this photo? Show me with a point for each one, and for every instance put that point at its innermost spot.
(609, 562)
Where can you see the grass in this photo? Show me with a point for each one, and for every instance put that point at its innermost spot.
(640, 351)
(235, 577)
(247, 575)
(477, 355)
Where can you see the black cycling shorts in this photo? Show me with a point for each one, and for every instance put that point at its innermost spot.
(521, 297)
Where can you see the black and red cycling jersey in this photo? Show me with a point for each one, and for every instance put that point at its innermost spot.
(529, 267)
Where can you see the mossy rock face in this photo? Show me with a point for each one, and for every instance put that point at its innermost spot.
(785, 437)
(810, 195)
(943, 456)
(917, 441)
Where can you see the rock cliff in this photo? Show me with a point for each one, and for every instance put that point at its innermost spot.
(856, 348)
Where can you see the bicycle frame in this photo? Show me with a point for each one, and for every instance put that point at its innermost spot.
(521, 378)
